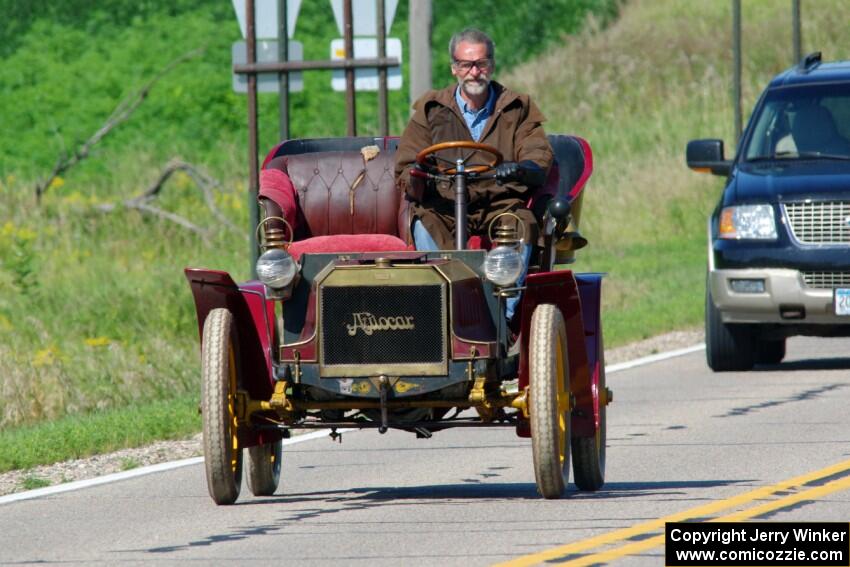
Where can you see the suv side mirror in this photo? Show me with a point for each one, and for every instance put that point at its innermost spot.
(706, 156)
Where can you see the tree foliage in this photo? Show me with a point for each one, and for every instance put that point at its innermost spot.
(66, 65)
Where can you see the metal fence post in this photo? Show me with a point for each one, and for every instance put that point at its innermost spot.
(350, 106)
(736, 74)
(283, 76)
(253, 142)
(795, 27)
(383, 112)
(419, 22)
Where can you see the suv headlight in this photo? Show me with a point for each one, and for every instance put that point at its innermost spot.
(503, 265)
(755, 222)
(276, 268)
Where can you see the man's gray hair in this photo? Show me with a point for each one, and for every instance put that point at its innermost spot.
(472, 35)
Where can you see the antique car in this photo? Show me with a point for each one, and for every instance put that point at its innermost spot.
(777, 240)
(348, 326)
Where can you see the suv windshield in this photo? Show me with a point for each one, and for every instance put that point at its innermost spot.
(802, 122)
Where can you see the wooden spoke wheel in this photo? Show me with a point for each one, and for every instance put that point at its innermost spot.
(264, 468)
(549, 400)
(428, 158)
(222, 454)
(589, 452)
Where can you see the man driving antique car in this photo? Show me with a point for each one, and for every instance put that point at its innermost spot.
(476, 110)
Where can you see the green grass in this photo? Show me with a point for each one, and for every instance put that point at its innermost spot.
(32, 482)
(129, 463)
(78, 436)
(652, 288)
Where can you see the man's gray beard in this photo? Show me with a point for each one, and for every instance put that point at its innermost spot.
(475, 88)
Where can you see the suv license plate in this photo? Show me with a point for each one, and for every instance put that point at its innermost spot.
(842, 301)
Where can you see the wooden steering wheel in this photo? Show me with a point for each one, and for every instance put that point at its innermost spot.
(431, 151)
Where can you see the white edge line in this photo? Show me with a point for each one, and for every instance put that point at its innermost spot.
(654, 358)
(141, 471)
(80, 484)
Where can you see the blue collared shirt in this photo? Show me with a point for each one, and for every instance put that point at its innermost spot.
(476, 119)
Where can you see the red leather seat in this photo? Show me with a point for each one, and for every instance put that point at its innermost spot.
(343, 202)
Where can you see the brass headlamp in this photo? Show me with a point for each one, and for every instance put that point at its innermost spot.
(504, 263)
(276, 267)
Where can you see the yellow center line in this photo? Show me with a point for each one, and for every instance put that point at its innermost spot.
(698, 512)
(755, 511)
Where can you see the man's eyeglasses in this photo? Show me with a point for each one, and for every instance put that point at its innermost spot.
(466, 66)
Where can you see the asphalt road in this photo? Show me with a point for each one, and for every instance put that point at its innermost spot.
(681, 441)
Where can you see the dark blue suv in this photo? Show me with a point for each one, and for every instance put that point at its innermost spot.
(779, 239)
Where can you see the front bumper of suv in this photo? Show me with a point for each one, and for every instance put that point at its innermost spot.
(785, 299)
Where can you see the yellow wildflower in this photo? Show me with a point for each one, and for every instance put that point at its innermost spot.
(56, 183)
(46, 357)
(98, 341)
(25, 233)
(232, 202)
(182, 180)
(73, 198)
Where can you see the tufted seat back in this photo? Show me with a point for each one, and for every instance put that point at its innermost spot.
(339, 192)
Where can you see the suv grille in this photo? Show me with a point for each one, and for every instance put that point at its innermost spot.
(383, 329)
(826, 280)
(821, 222)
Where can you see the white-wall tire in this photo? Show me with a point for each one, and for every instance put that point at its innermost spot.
(549, 400)
(222, 454)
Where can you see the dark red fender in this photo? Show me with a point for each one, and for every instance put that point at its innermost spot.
(590, 292)
(253, 316)
(578, 299)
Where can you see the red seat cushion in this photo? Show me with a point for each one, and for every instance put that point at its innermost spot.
(276, 185)
(342, 243)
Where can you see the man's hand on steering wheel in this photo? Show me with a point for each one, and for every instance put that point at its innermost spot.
(508, 171)
(526, 172)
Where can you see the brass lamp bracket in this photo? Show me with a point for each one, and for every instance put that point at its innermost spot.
(274, 237)
(506, 235)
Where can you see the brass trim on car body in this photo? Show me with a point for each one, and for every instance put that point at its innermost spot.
(395, 275)
(446, 269)
(450, 269)
(314, 287)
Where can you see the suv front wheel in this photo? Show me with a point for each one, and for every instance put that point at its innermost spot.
(770, 351)
(727, 347)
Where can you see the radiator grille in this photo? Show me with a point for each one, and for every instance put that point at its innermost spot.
(826, 280)
(819, 222)
(383, 325)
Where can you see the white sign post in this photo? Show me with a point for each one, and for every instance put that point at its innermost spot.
(265, 20)
(366, 79)
(365, 16)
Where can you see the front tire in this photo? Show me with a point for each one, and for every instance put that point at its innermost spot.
(222, 454)
(549, 400)
(727, 347)
(264, 468)
(770, 352)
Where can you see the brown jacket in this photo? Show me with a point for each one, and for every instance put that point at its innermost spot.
(514, 128)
